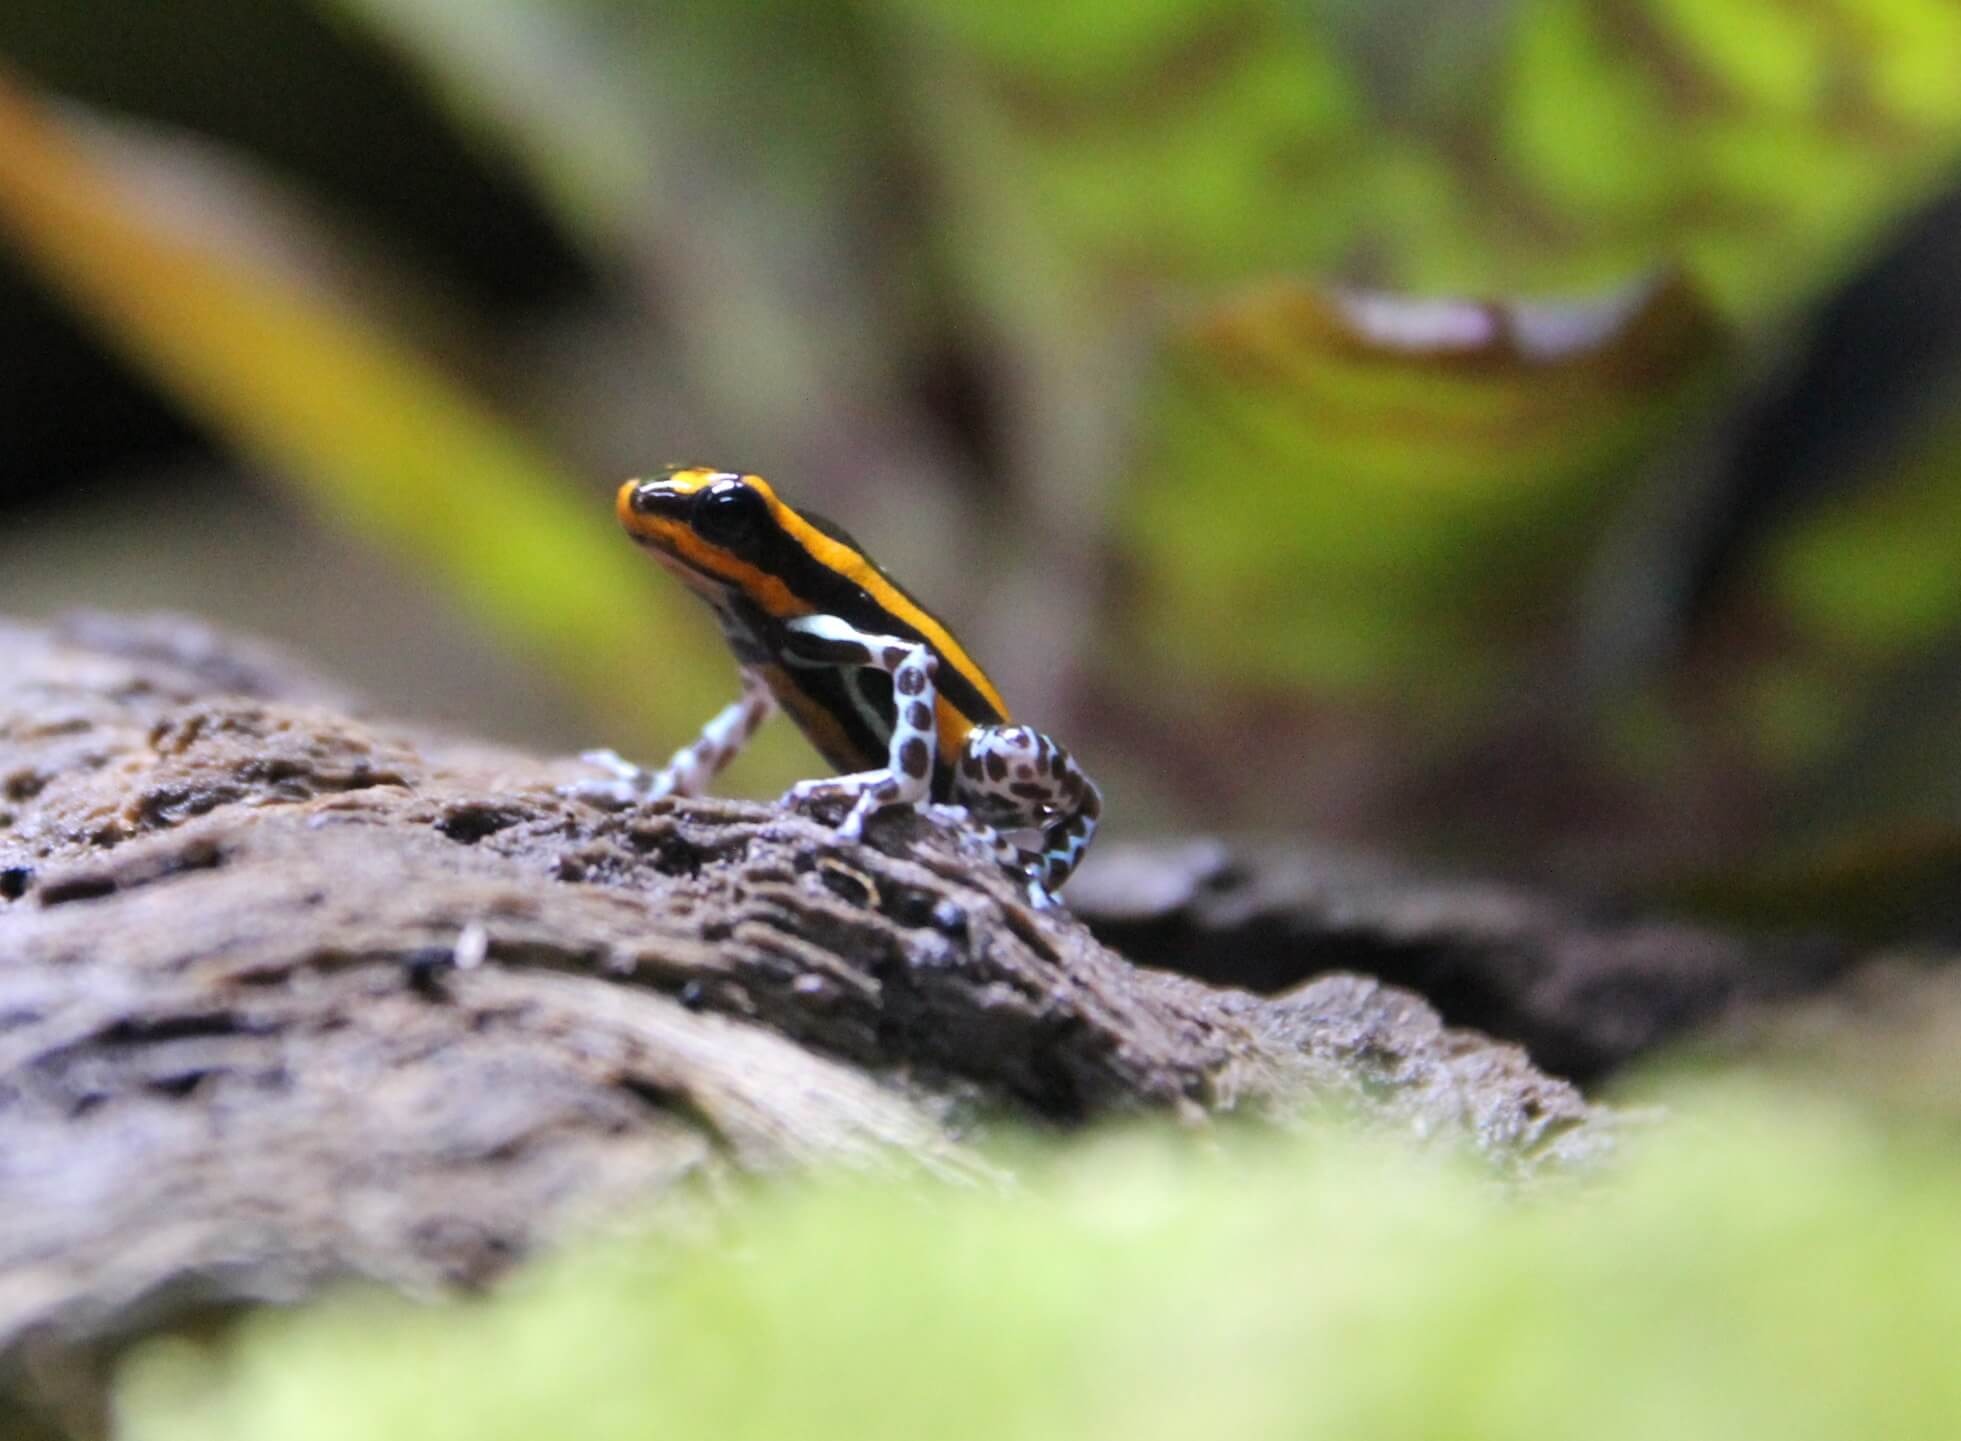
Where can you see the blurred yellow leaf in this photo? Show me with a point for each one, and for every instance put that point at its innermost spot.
(369, 433)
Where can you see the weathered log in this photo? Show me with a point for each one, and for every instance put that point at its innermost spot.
(1584, 989)
(289, 994)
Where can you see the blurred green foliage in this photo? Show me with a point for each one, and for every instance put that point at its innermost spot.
(1565, 145)
(1780, 1267)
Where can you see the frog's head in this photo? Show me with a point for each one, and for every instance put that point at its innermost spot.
(718, 530)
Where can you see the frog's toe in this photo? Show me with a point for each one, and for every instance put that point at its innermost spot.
(612, 795)
(800, 795)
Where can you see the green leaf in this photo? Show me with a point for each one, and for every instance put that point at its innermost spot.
(1561, 144)
(1107, 144)
(1363, 494)
(1760, 144)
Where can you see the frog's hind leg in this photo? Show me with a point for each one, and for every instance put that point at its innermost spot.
(1015, 778)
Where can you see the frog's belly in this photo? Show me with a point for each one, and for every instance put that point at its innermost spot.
(834, 719)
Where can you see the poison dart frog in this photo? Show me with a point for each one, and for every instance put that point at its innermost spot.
(876, 682)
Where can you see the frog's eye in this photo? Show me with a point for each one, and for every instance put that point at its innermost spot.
(729, 513)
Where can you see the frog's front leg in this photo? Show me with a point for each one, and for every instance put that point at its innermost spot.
(907, 776)
(1015, 778)
(690, 769)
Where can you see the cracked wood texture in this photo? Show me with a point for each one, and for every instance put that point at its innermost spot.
(290, 993)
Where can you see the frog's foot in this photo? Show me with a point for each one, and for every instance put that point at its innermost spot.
(868, 791)
(1015, 848)
(624, 784)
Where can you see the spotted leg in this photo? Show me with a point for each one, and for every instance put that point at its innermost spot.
(691, 768)
(907, 776)
(1014, 778)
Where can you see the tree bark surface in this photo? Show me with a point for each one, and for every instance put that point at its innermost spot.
(1585, 990)
(290, 993)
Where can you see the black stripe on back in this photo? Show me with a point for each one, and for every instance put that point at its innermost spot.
(815, 583)
(827, 687)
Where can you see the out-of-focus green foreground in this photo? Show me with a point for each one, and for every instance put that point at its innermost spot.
(1769, 1266)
